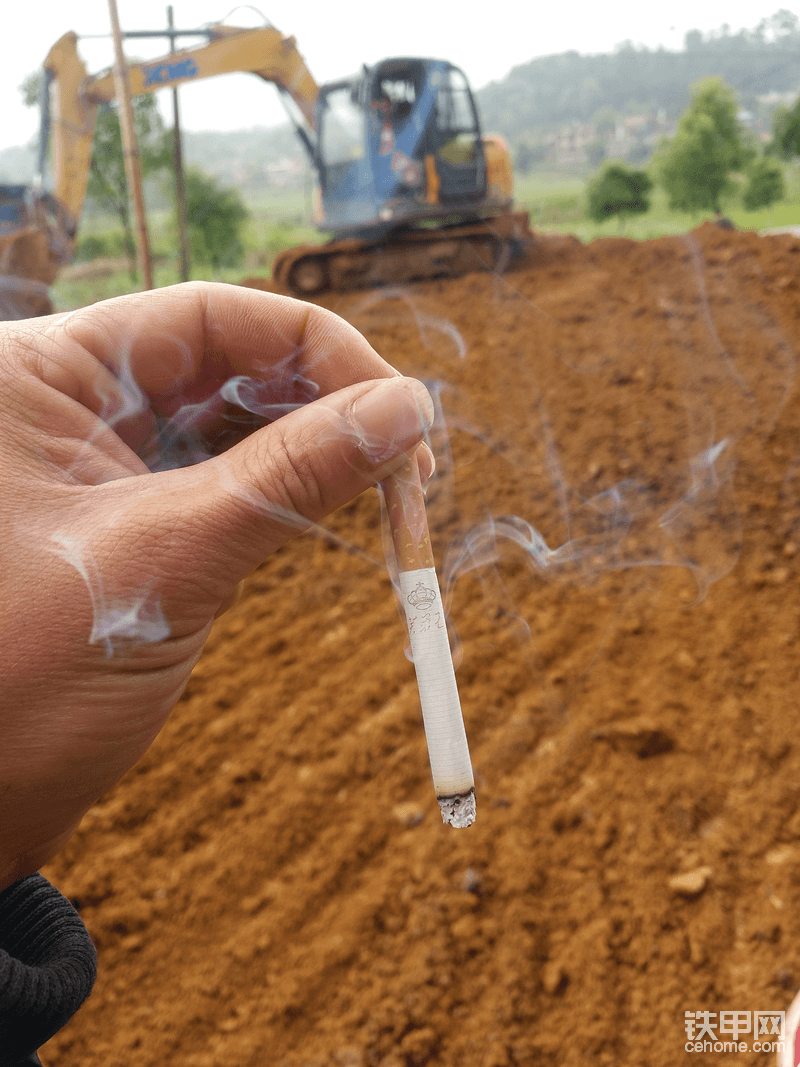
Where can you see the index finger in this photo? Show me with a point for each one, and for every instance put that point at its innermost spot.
(184, 339)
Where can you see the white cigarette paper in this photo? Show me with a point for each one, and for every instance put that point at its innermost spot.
(441, 708)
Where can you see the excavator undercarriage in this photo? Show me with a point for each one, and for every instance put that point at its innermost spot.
(402, 256)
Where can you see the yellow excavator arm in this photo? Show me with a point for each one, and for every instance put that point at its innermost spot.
(265, 52)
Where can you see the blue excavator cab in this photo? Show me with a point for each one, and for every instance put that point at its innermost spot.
(397, 145)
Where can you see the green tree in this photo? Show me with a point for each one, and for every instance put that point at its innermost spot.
(765, 184)
(216, 219)
(618, 190)
(786, 131)
(30, 88)
(108, 186)
(695, 167)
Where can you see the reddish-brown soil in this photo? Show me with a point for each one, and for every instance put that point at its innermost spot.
(272, 884)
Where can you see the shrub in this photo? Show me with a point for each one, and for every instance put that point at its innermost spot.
(618, 190)
(765, 184)
(216, 219)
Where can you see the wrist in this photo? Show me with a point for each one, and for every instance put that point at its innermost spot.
(18, 860)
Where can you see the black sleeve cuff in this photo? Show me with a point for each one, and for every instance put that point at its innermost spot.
(48, 965)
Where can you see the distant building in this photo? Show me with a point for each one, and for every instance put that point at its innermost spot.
(569, 144)
(773, 99)
(286, 171)
(633, 136)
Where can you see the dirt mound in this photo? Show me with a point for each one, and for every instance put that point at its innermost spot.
(616, 511)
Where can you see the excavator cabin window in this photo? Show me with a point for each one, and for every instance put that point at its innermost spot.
(342, 132)
(394, 96)
(456, 120)
(460, 159)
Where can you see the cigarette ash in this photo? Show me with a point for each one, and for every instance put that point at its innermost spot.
(458, 811)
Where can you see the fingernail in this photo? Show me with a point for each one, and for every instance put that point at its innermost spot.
(427, 465)
(392, 417)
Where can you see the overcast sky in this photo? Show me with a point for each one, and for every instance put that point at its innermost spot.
(485, 39)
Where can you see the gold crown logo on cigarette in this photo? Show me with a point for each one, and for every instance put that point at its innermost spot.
(422, 597)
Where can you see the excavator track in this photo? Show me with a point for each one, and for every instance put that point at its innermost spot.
(404, 256)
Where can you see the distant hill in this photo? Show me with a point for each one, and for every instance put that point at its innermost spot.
(554, 90)
(248, 158)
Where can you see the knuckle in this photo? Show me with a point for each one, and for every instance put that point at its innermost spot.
(293, 475)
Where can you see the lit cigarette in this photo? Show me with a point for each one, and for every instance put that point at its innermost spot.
(436, 678)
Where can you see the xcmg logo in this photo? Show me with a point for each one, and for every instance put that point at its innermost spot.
(162, 73)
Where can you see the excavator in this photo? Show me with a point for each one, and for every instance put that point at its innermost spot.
(408, 187)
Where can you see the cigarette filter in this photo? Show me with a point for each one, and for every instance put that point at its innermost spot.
(427, 628)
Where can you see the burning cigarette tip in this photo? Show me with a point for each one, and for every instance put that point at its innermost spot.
(458, 811)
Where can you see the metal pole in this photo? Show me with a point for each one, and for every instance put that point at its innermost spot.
(130, 149)
(180, 186)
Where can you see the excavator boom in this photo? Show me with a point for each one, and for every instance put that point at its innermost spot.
(70, 124)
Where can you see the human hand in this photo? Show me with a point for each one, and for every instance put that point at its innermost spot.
(115, 554)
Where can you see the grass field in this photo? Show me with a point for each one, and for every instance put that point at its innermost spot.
(281, 218)
(558, 203)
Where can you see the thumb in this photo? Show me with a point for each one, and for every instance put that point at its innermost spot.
(220, 519)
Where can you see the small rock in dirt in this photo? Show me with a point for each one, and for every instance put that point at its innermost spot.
(350, 1056)
(643, 737)
(784, 978)
(409, 815)
(690, 883)
(554, 978)
(471, 881)
(776, 856)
